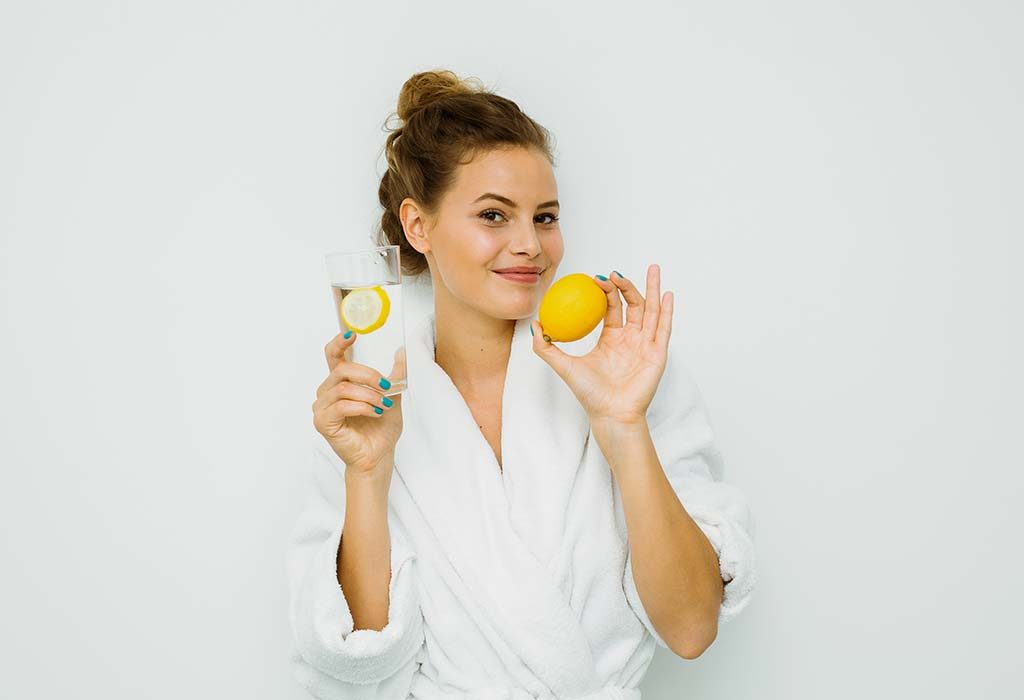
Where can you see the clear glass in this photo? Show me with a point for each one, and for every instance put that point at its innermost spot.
(367, 289)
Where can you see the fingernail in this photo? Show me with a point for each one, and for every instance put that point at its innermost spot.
(531, 327)
(378, 409)
(348, 334)
(384, 383)
(618, 273)
(602, 278)
(387, 402)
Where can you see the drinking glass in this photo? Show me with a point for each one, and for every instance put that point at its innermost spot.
(367, 289)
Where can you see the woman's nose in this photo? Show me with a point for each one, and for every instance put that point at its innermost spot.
(526, 240)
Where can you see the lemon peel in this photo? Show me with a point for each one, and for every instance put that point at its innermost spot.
(572, 307)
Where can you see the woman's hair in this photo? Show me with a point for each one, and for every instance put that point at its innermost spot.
(446, 122)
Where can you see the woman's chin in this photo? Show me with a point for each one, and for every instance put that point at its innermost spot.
(513, 306)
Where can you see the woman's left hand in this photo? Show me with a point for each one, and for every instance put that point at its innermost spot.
(616, 380)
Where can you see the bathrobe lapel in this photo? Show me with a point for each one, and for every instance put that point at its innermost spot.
(501, 531)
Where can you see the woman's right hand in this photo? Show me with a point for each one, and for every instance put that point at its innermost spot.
(343, 411)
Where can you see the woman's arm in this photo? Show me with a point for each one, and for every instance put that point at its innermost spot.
(334, 656)
(674, 565)
(364, 556)
(690, 461)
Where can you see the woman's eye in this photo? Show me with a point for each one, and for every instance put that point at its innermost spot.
(487, 215)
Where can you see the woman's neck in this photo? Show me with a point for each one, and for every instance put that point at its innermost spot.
(473, 349)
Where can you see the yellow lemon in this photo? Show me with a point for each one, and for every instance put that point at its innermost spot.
(572, 307)
(365, 309)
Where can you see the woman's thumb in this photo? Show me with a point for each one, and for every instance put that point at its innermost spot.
(548, 351)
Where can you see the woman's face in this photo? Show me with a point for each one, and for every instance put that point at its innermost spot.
(501, 212)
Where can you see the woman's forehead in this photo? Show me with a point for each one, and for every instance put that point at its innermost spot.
(525, 177)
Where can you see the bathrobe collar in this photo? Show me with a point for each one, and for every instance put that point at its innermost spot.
(501, 531)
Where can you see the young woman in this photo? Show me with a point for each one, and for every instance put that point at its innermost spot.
(555, 516)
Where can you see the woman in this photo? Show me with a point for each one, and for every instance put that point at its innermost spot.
(500, 563)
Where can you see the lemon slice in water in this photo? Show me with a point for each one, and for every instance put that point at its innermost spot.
(365, 309)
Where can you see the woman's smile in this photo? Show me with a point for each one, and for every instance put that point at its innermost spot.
(520, 277)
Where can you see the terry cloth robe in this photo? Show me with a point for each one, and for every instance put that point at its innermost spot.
(505, 584)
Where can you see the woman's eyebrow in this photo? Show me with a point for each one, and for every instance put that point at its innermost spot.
(509, 202)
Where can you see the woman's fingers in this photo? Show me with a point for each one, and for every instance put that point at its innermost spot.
(665, 324)
(348, 392)
(642, 312)
(334, 351)
(355, 372)
(613, 316)
(634, 301)
(652, 304)
(344, 408)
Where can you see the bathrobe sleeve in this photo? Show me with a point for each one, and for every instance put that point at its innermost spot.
(684, 440)
(327, 657)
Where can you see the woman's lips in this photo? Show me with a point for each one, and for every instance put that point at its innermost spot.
(520, 277)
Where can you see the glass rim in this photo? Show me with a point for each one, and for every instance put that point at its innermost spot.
(360, 251)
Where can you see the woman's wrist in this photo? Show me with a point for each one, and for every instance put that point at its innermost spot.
(374, 478)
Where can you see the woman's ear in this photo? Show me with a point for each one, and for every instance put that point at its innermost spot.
(415, 224)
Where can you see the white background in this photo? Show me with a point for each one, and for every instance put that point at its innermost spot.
(833, 192)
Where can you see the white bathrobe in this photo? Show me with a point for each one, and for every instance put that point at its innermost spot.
(514, 583)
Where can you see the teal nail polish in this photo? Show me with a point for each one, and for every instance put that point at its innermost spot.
(619, 274)
(387, 402)
(378, 409)
(348, 334)
(384, 383)
(531, 328)
(602, 278)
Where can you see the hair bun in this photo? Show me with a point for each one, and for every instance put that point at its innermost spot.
(426, 88)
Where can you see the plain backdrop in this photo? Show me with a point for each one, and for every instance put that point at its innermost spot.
(833, 191)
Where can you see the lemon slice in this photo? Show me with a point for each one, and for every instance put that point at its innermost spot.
(365, 309)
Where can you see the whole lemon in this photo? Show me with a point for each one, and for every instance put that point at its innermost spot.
(572, 307)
